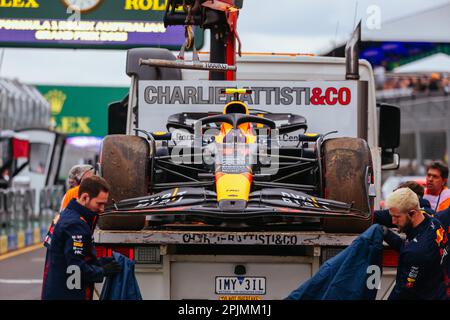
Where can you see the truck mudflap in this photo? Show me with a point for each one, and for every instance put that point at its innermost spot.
(267, 205)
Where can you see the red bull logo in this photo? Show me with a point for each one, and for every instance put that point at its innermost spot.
(410, 283)
(439, 235)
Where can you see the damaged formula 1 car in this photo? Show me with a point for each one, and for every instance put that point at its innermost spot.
(237, 169)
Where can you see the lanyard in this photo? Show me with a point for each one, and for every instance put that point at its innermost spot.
(437, 203)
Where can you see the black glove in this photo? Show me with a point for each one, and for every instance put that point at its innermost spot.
(385, 231)
(105, 260)
(111, 268)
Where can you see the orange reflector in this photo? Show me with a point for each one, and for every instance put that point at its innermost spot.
(103, 251)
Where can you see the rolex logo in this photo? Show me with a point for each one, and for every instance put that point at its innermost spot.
(56, 99)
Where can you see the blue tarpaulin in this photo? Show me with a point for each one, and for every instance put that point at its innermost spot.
(345, 276)
(122, 286)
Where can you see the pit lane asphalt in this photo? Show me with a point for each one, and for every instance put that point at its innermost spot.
(21, 274)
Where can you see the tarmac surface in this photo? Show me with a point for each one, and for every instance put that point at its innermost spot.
(21, 273)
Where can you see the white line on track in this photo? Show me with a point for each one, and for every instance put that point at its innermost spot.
(20, 281)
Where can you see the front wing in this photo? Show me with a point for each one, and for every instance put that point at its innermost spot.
(266, 203)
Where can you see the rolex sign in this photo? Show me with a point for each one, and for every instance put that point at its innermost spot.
(81, 111)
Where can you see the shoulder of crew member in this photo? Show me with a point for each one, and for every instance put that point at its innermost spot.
(444, 217)
(444, 202)
(69, 225)
(433, 236)
(424, 203)
(72, 193)
(77, 230)
(423, 252)
(445, 193)
(428, 211)
(71, 217)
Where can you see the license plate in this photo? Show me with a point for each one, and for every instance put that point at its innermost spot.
(241, 285)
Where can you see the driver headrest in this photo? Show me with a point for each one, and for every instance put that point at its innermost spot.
(235, 107)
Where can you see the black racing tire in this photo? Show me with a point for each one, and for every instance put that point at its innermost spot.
(124, 164)
(346, 162)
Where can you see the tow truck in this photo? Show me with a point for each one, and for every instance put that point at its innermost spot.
(272, 224)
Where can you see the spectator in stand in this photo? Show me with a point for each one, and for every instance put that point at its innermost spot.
(422, 84)
(404, 83)
(434, 83)
(413, 83)
(380, 75)
(446, 84)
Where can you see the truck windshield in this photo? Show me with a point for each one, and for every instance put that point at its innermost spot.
(38, 157)
(5, 151)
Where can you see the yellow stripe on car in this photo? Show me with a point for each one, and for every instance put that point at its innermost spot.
(315, 202)
(175, 192)
(234, 90)
(233, 187)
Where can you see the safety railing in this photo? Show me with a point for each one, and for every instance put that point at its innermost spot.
(23, 220)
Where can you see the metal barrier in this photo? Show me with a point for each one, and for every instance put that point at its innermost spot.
(29, 196)
(21, 224)
(42, 204)
(3, 223)
(57, 193)
(28, 213)
(11, 216)
(18, 210)
(9, 209)
(49, 204)
(2, 212)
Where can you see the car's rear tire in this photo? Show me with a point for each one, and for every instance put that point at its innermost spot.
(124, 163)
(346, 163)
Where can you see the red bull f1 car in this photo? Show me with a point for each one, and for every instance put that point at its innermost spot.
(239, 168)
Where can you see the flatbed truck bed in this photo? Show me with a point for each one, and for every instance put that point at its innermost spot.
(193, 264)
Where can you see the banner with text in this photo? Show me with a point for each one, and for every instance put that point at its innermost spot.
(89, 24)
(326, 105)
